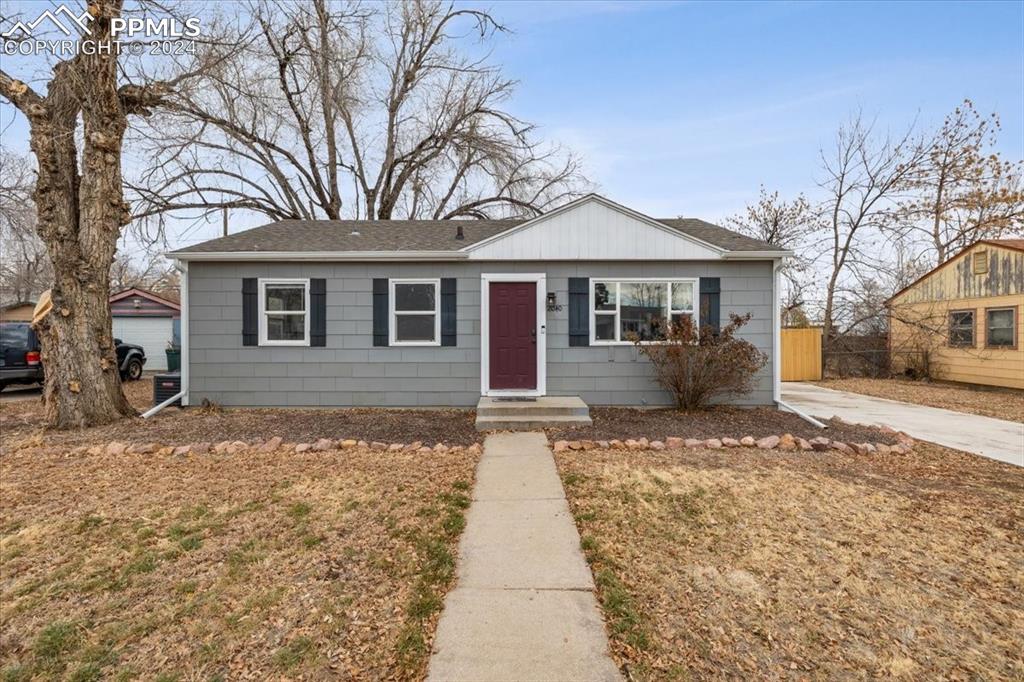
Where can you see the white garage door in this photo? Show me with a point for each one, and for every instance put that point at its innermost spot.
(152, 333)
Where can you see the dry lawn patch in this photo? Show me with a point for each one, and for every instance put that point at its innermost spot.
(226, 567)
(1000, 404)
(745, 565)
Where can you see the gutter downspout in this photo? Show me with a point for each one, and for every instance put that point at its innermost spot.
(777, 349)
(182, 267)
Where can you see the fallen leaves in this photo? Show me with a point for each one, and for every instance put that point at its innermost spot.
(716, 422)
(24, 419)
(744, 564)
(998, 403)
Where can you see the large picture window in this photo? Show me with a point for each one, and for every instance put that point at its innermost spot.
(415, 313)
(622, 309)
(1001, 327)
(961, 329)
(284, 313)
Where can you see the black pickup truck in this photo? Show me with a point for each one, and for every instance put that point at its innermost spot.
(21, 362)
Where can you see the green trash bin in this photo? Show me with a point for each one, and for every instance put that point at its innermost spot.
(173, 359)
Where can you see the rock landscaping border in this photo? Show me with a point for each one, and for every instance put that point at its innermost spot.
(786, 443)
(274, 444)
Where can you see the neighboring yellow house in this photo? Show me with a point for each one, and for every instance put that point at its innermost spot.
(962, 321)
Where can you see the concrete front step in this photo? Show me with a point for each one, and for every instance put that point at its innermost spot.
(529, 415)
(529, 423)
(547, 406)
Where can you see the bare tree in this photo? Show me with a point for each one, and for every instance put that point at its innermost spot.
(963, 191)
(80, 210)
(357, 110)
(25, 270)
(146, 270)
(864, 175)
(785, 224)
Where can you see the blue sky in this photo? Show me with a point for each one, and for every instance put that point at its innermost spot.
(687, 108)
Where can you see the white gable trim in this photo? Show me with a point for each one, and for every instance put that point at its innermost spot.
(708, 250)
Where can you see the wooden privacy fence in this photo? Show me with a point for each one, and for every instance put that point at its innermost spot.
(801, 354)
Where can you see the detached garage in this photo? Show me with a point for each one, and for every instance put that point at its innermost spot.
(148, 320)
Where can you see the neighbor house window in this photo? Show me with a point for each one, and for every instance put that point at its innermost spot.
(979, 262)
(284, 318)
(415, 313)
(1001, 327)
(639, 308)
(961, 328)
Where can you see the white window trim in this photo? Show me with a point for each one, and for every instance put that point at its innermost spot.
(393, 314)
(669, 311)
(262, 291)
(485, 333)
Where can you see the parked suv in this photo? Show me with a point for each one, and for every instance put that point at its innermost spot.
(130, 359)
(20, 362)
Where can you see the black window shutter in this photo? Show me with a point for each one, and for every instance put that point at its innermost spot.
(579, 311)
(380, 312)
(448, 314)
(250, 312)
(710, 292)
(318, 312)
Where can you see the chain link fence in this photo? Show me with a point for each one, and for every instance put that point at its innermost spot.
(857, 356)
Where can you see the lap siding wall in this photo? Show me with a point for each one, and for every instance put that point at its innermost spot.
(350, 371)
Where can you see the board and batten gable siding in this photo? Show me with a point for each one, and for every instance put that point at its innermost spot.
(351, 371)
(592, 231)
(956, 278)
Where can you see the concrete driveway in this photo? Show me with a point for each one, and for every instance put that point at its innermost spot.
(993, 438)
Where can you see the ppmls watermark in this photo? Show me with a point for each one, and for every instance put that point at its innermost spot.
(128, 35)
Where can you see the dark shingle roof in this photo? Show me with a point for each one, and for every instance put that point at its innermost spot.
(355, 235)
(719, 236)
(417, 235)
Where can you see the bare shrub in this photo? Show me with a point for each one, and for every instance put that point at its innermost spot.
(698, 365)
(918, 364)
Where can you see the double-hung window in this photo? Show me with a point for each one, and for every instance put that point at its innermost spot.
(415, 312)
(1001, 327)
(638, 308)
(961, 329)
(284, 312)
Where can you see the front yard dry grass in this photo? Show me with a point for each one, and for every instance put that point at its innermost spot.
(253, 566)
(750, 565)
(999, 403)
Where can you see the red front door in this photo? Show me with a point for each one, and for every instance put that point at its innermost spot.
(513, 332)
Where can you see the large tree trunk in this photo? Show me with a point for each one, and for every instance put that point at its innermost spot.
(79, 220)
(82, 383)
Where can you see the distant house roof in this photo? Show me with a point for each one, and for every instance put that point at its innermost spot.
(150, 304)
(421, 236)
(18, 304)
(1017, 244)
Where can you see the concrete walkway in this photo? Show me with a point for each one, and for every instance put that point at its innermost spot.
(524, 605)
(992, 438)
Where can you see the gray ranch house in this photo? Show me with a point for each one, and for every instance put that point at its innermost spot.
(443, 313)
